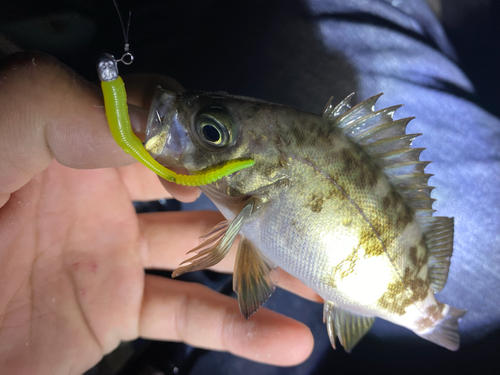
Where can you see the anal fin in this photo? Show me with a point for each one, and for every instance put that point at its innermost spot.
(254, 278)
(215, 247)
(347, 326)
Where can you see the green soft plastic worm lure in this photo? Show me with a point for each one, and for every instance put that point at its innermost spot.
(115, 103)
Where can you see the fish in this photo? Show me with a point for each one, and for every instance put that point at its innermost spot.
(339, 200)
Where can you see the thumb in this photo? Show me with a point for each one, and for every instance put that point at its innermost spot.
(48, 111)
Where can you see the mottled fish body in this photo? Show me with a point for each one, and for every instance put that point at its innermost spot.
(339, 201)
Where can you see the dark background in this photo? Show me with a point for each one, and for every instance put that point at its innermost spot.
(188, 39)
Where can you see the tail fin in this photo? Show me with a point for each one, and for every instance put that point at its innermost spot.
(445, 331)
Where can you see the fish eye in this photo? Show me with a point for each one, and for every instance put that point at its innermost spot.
(214, 126)
(211, 133)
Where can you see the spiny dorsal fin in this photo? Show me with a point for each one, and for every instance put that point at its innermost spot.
(332, 112)
(439, 240)
(386, 141)
(389, 144)
(344, 117)
(347, 326)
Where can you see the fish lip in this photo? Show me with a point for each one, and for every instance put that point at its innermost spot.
(166, 138)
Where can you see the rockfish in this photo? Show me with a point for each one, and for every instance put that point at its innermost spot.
(338, 200)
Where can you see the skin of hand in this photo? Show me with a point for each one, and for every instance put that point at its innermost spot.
(73, 250)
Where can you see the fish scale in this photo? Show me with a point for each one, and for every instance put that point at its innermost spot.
(339, 200)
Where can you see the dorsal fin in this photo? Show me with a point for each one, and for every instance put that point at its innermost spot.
(439, 240)
(386, 141)
(331, 112)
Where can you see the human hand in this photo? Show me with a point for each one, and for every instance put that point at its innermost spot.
(73, 251)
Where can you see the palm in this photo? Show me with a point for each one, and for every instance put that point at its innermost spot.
(74, 254)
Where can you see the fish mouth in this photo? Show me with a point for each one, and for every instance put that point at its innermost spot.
(166, 138)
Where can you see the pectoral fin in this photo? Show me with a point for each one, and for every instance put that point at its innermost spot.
(217, 244)
(345, 325)
(254, 278)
